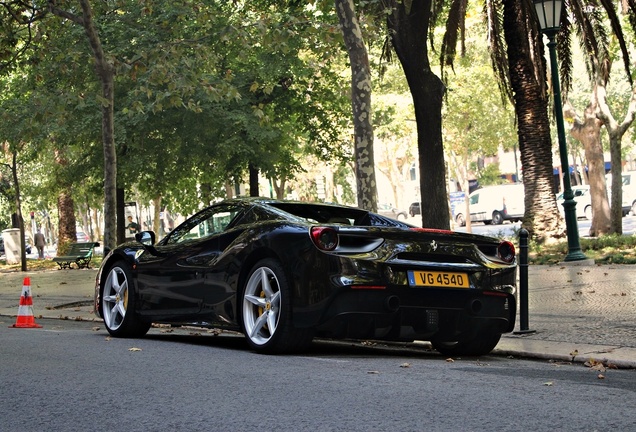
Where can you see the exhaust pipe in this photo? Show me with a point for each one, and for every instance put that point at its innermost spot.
(475, 306)
(392, 303)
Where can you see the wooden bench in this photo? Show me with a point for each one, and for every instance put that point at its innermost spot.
(78, 253)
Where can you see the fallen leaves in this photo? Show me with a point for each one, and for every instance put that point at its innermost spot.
(599, 365)
(574, 354)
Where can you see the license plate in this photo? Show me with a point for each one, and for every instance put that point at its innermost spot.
(438, 279)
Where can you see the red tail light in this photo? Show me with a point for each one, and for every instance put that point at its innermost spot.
(433, 230)
(506, 251)
(325, 238)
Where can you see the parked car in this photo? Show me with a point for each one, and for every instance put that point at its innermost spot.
(583, 202)
(629, 191)
(494, 204)
(389, 211)
(284, 272)
(81, 237)
(414, 209)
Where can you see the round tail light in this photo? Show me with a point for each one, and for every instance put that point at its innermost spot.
(325, 238)
(506, 251)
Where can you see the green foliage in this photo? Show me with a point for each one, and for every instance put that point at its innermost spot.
(203, 90)
(489, 175)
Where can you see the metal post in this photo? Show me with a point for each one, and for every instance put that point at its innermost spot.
(574, 247)
(523, 283)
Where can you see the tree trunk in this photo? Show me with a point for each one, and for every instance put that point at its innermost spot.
(408, 23)
(541, 219)
(18, 208)
(253, 180)
(361, 105)
(156, 217)
(615, 132)
(67, 233)
(588, 132)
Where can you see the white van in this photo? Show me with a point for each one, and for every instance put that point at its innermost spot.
(495, 204)
(629, 191)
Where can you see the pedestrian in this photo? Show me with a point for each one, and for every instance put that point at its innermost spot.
(40, 242)
(132, 227)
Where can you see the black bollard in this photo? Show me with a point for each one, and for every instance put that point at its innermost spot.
(523, 283)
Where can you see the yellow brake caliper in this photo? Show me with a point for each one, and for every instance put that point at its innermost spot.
(261, 310)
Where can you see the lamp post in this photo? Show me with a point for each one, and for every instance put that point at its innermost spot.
(549, 14)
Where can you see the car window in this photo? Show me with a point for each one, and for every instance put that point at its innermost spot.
(211, 221)
(474, 199)
(253, 215)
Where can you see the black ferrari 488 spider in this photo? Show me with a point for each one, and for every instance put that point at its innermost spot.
(284, 272)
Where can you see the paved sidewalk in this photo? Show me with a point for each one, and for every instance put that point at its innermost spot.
(589, 309)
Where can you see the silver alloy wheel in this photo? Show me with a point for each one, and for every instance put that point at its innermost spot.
(261, 305)
(115, 298)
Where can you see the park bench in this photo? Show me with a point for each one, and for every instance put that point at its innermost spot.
(78, 253)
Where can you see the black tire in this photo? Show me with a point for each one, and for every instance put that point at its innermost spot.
(497, 218)
(266, 317)
(588, 212)
(470, 344)
(459, 219)
(117, 304)
(401, 216)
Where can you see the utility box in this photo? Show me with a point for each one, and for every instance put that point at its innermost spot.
(12, 245)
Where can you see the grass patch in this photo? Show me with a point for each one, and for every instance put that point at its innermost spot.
(610, 249)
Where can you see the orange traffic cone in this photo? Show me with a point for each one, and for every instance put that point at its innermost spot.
(25, 317)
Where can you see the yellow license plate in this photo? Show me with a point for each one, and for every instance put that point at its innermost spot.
(438, 279)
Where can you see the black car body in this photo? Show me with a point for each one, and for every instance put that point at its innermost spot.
(285, 272)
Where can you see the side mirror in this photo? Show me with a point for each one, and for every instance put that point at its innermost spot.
(146, 238)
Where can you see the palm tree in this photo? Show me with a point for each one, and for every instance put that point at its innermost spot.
(517, 57)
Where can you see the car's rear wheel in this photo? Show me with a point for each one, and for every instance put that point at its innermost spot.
(588, 212)
(118, 304)
(497, 218)
(266, 311)
(469, 344)
(460, 220)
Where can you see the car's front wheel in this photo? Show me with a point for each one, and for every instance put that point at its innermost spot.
(469, 344)
(266, 311)
(118, 304)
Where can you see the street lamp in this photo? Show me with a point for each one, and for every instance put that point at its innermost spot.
(549, 14)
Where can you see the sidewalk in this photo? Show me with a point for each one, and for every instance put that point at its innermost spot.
(587, 308)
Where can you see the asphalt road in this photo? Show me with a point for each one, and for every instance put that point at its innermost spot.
(71, 376)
